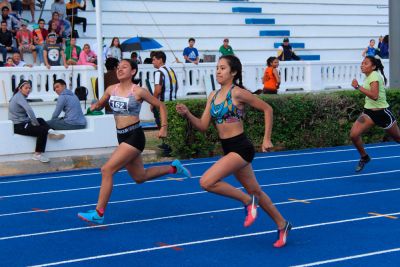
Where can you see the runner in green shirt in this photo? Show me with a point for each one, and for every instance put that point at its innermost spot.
(376, 109)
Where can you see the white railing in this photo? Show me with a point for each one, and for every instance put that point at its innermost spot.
(193, 79)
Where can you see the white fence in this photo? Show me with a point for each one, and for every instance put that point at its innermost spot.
(193, 79)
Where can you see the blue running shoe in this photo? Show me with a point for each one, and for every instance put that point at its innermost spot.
(91, 216)
(180, 169)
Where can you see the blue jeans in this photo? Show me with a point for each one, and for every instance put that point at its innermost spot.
(39, 50)
(60, 124)
(3, 51)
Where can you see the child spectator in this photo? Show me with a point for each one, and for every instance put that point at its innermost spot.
(87, 56)
(370, 51)
(72, 52)
(271, 77)
(115, 49)
(53, 53)
(9, 63)
(190, 53)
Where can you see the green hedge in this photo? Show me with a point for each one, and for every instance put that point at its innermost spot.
(300, 121)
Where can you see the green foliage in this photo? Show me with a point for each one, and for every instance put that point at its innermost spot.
(300, 121)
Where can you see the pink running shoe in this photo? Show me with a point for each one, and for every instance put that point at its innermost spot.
(251, 212)
(282, 235)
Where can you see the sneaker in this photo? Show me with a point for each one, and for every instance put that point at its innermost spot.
(282, 235)
(251, 212)
(361, 164)
(91, 216)
(41, 158)
(51, 134)
(180, 169)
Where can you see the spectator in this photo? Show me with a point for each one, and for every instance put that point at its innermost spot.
(271, 77)
(115, 49)
(39, 39)
(226, 49)
(59, 7)
(61, 27)
(7, 4)
(53, 31)
(190, 53)
(53, 53)
(25, 41)
(149, 60)
(26, 123)
(72, 14)
(136, 58)
(384, 49)
(380, 39)
(87, 56)
(165, 88)
(6, 42)
(285, 51)
(12, 22)
(370, 51)
(18, 62)
(72, 52)
(9, 63)
(110, 78)
(69, 103)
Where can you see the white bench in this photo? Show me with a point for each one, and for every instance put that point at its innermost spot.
(99, 133)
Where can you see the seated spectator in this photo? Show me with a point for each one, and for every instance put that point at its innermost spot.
(69, 103)
(370, 51)
(9, 63)
(53, 29)
(271, 78)
(26, 123)
(59, 7)
(285, 51)
(87, 56)
(72, 14)
(226, 49)
(53, 53)
(18, 62)
(190, 53)
(12, 22)
(25, 41)
(6, 39)
(29, 5)
(72, 52)
(61, 27)
(136, 58)
(39, 39)
(115, 49)
(7, 4)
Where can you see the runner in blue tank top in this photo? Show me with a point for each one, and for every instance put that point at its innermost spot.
(225, 107)
(126, 100)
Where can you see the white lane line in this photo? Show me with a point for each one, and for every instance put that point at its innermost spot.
(201, 192)
(194, 177)
(379, 252)
(204, 162)
(189, 215)
(128, 252)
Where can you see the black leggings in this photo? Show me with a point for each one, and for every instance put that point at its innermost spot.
(39, 131)
(77, 20)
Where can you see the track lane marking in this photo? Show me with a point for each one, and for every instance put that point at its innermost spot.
(195, 177)
(199, 163)
(378, 214)
(182, 216)
(203, 192)
(191, 243)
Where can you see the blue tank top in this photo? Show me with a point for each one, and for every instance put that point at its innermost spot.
(226, 111)
(124, 106)
(371, 52)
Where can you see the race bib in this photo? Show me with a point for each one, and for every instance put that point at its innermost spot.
(118, 103)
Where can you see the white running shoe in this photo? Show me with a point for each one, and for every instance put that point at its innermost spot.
(41, 158)
(51, 134)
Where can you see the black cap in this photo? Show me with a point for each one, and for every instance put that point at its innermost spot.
(285, 39)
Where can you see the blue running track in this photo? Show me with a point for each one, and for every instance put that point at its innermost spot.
(340, 218)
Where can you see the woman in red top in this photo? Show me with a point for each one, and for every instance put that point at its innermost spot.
(271, 77)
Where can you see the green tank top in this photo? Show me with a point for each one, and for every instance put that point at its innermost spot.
(381, 101)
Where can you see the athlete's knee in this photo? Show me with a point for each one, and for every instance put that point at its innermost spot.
(257, 192)
(106, 171)
(354, 136)
(206, 184)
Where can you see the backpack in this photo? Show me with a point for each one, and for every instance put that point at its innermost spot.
(82, 92)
